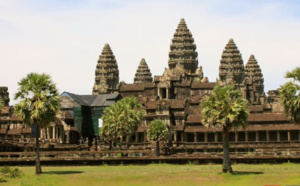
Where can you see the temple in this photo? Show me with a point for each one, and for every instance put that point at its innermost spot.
(175, 98)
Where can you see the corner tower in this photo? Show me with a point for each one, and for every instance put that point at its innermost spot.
(143, 73)
(107, 72)
(183, 49)
(254, 81)
(231, 70)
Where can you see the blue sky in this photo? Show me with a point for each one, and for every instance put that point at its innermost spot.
(64, 38)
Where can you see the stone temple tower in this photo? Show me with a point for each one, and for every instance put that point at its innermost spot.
(231, 69)
(183, 50)
(254, 81)
(143, 73)
(107, 72)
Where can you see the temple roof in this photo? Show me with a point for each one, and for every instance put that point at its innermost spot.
(183, 49)
(143, 73)
(231, 64)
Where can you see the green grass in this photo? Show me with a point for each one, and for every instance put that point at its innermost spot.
(160, 174)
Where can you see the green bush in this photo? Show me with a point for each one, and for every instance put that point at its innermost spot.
(10, 172)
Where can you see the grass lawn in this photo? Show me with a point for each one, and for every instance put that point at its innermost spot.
(161, 174)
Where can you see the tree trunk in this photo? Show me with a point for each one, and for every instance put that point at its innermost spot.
(157, 148)
(226, 158)
(38, 169)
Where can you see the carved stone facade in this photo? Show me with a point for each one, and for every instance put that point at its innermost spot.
(107, 72)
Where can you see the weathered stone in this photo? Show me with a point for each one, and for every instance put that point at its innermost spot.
(143, 73)
(107, 72)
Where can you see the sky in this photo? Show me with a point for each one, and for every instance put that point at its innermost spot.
(64, 38)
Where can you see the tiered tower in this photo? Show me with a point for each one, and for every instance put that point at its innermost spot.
(254, 80)
(143, 73)
(183, 49)
(107, 72)
(231, 70)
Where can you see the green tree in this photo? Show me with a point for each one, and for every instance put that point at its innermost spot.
(38, 105)
(157, 131)
(121, 119)
(1, 105)
(227, 109)
(290, 96)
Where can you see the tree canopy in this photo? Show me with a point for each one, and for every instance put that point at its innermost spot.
(38, 100)
(225, 107)
(121, 118)
(290, 95)
(157, 131)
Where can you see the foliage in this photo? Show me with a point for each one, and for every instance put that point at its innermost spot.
(11, 173)
(157, 131)
(38, 104)
(121, 118)
(225, 107)
(290, 97)
(39, 100)
(1, 104)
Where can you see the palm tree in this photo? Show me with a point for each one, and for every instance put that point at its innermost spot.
(227, 109)
(121, 119)
(290, 96)
(38, 105)
(157, 131)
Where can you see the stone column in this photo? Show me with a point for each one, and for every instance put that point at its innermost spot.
(278, 135)
(53, 132)
(136, 137)
(216, 137)
(246, 136)
(167, 93)
(256, 136)
(48, 132)
(289, 135)
(145, 136)
(268, 136)
(236, 137)
(195, 136)
(205, 137)
(175, 137)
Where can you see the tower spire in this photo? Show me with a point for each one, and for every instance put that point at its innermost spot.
(183, 49)
(143, 73)
(107, 72)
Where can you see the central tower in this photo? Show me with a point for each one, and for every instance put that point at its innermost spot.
(183, 50)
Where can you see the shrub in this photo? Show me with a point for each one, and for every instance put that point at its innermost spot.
(11, 173)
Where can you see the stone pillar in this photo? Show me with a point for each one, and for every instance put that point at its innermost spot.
(175, 137)
(136, 137)
(216, 137)
(256, 136)
(246, 136)
(289, 135)
(268, 136)
(185, 137)
(205, 137)
(195, 136)
(167, 93)
(48, 132)
(278, 135)
(236, 137)
(145, 136)
(53, 132)
(182, 136)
